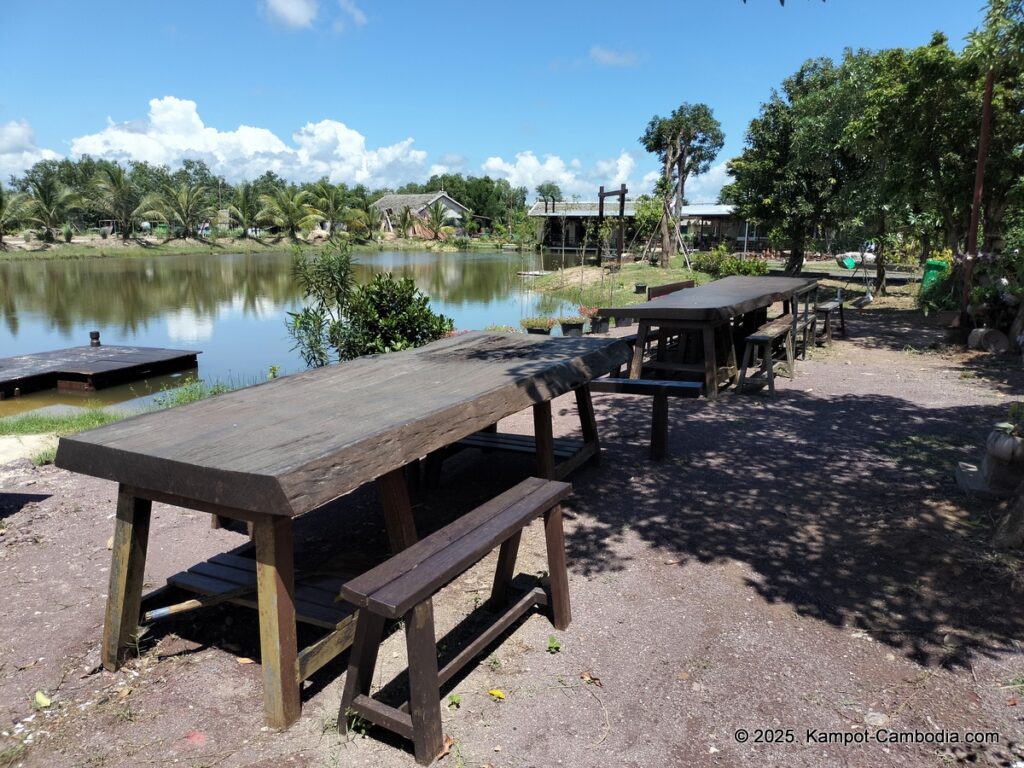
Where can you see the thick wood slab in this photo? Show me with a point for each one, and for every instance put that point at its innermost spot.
(291, 444)
(718, 301)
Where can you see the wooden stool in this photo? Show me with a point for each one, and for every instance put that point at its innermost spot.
(824, 311)
(404, 586)
(763, 340)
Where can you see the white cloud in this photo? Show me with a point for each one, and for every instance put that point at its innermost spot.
(293, 13)
(648, 181)
(527, 170)
(354, 12)
(18, 149)
(705, 188)
(174, 131)
(610, 58)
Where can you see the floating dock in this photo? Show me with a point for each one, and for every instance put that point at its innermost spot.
(88, 368)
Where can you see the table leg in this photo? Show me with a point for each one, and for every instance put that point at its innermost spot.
(710, 363)
(127, 568)
(397, 509)
(544, 439)
(637, 365)
(588, 423)
(730, 348)
(275, 582)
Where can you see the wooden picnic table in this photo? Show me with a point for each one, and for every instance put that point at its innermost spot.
(271, 452)
(708, 309)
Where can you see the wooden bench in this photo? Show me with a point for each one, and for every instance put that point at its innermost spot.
(655, 291)
(824, 310)
(804, 319)
(660, 390)
(763, 340)
(405, 585)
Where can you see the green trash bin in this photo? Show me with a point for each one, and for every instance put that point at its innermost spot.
(934, 270)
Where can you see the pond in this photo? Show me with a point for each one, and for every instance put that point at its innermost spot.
(232, 307)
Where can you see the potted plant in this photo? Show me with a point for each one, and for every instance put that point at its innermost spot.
(597, 324)
(538, 324)
(640, 287)
(572, 325)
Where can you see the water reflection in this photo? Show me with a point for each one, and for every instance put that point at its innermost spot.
(231, 306)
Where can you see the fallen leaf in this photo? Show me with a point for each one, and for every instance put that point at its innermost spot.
(682, 676)
(673, 562)
(1013, 701)
(123, 693)
(446, 747)
(244, 660)
(110, 543)
(591, 679)
(41, 700)
(497, 694)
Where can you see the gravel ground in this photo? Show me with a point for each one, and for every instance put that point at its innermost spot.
(795, 568)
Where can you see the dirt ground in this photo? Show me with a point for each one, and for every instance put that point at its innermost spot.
(797, 574)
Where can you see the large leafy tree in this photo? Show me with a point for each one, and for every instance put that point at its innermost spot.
(549, 191)
(686, 142)
(183, 205)
(118, 196)
(50, 203)
(328, 202)
(287, 209)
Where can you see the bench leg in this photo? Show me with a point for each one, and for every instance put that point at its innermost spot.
(790, 357)
(506, 569)
(424, 690)
(558, 574)
(544, 440)
(842, 322)
(659, 427)
(769, 367)
(588, 423)
(710, 363)
(637, 364)
(748, 355)
(127, 567)
(361, 663)
(275, 583)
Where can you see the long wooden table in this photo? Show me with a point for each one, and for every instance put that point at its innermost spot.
(268, 453)
(708, 309)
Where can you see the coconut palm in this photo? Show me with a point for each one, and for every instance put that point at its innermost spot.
(184, 206)
(327, 202)
(287, 209)
(244, 207)
(437, 219)
(405, 220)
(117, 195)
(12, 210)
(49, 204)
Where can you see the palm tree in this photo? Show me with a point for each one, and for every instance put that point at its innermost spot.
(328, 203)
(49, 204)
(185, 205)
(118, 196)
(244, 207)
(287, 210)
(437, 218)
(12, 209)
(405, 221)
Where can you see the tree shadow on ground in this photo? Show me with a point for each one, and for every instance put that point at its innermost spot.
(841, 506)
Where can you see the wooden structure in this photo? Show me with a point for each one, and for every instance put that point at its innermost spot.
(88, 368)
(760, 350)
(271, 452)
(403, 587)
(711, 311)
(621, 231)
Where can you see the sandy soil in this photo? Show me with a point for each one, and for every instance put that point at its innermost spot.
(24, 446)
(804, 565)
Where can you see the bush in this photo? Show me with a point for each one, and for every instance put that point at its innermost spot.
(67, 232)
(544, 323)
(719, 263)
(462, 243)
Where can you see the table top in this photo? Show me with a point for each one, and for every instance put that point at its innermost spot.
(289, 445)
(718, 300)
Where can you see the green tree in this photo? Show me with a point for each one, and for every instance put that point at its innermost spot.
(328, 202)
(244, 207)
(405, 221)
(437, 218)
(49, 203)
(287, 209)
(686, 142)
(12, 210)
(550, 192)
(184, 206)
(118, 196)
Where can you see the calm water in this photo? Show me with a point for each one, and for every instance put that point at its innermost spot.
(230, 306)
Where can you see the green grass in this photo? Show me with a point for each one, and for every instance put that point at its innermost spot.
(59, 424)
(617, 288)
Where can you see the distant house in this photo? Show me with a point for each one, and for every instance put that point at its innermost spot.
(391, 205)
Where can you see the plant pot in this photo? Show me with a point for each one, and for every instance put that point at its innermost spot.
(1003, 465)
(623, 322)
(639, 287)
(541, 331)
(572, 329)
(599, 325)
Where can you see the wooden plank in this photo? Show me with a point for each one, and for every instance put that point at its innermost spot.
(288, 445)
(424, 696)
(369, 630)
(585, 454)
(326, 648)
(417, 572)
(384, 716)
(505, 569)
(127, 570)
(545, 441)
(558, 574)
(505, 441)
(278, 651)
(656, 291)
(666, 387)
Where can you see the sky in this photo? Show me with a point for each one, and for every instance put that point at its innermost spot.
(363, 91)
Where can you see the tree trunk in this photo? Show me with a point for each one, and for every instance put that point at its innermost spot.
(979, 186)
(1010, 531)
(796, 256)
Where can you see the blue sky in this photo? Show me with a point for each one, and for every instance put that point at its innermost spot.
(382, 93)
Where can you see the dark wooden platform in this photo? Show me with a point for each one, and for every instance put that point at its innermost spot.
(88, 368)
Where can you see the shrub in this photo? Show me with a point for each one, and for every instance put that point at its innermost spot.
(546, 323)
(67, 232)
(500, 329)
(720, 263)
(462, 243)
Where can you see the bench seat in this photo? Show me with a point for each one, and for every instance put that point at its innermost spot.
(660, 390)
(760, 349)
